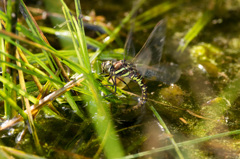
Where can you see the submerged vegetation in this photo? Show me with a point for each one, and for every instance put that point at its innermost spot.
(56, 103)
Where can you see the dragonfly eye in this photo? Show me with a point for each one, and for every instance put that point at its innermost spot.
(106, 66)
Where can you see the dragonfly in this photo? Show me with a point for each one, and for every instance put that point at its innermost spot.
(145, 64)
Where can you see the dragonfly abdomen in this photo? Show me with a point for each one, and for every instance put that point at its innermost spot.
(124, 69)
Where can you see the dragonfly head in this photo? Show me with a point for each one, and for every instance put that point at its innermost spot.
(106, 66)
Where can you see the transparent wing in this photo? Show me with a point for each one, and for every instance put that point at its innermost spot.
(151, 52)
(167, 73)
(129, 48)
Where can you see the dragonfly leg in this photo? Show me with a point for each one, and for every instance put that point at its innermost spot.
(125, 83)
(110, 78)
(114, 84)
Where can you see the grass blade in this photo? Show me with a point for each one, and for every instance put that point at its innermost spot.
(185, 143)
(195, 30)
(167, 131)
(155, 11)
(13, 104)
(18, 153)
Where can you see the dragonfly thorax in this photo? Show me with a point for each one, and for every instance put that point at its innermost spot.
(118, 69)
(111, 67)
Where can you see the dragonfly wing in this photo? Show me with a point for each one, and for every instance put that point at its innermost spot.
(151, 52)
(129, 48)
(167, 73)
